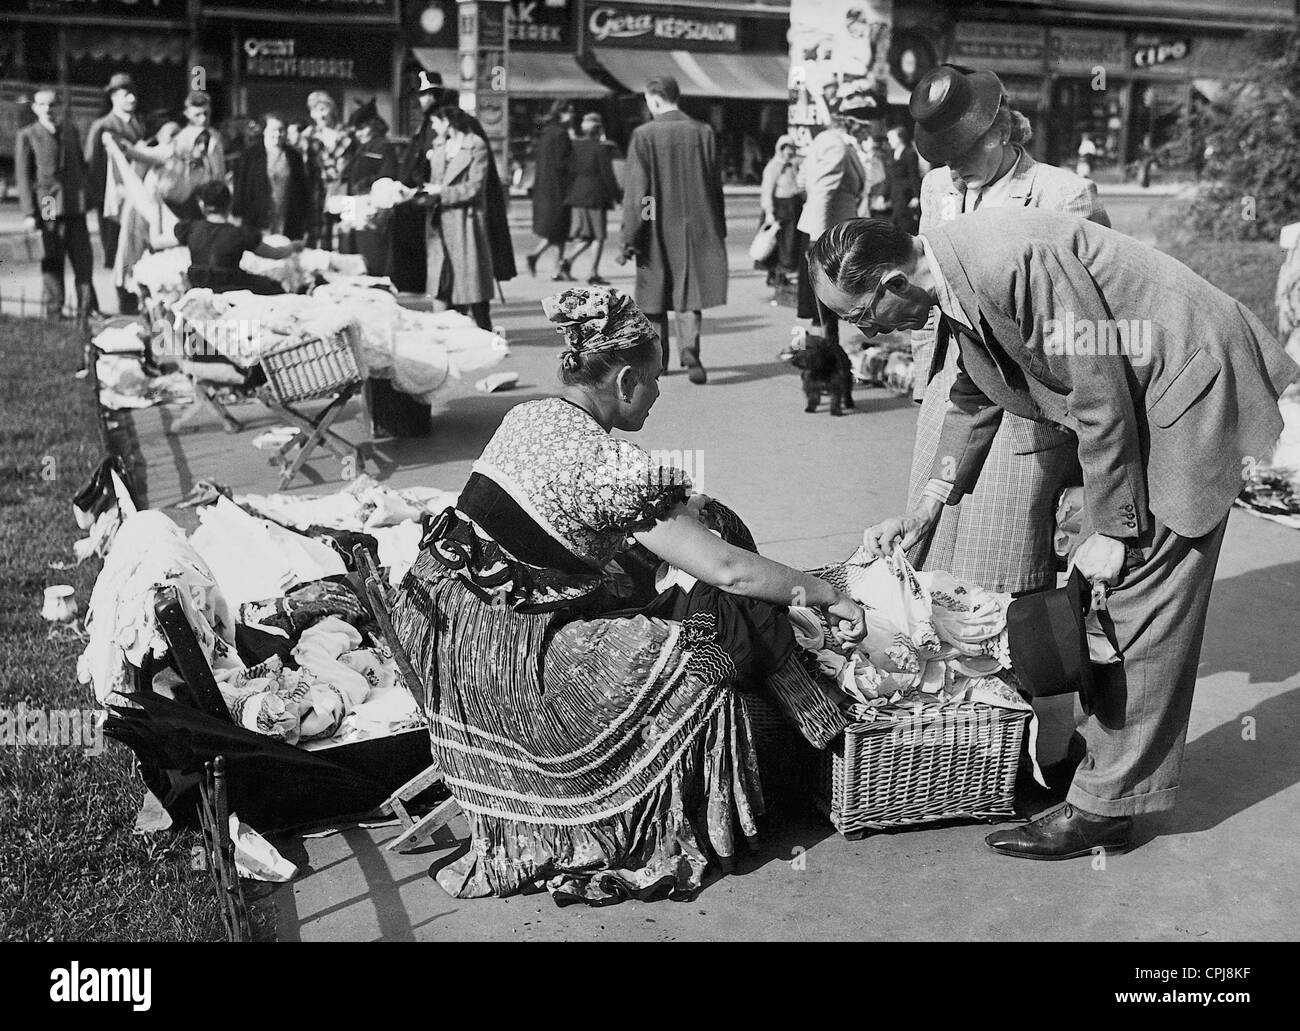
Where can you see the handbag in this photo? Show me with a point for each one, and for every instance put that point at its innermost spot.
(763, 245)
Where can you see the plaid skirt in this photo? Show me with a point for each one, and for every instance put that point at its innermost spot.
(1001, 535)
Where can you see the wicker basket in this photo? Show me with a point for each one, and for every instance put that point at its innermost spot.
(956, 762)
(304, 370)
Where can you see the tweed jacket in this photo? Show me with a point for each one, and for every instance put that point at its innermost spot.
(1032, 185)
(1170, 385)
(836, 183)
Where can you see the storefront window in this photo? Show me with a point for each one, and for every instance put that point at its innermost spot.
(1086, 123)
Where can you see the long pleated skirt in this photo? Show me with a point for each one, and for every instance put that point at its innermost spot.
(599, 759)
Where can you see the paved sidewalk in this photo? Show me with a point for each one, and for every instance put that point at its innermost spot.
(807, 484)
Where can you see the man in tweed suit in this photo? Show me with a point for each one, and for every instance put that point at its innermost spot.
(1170, 387)
(1002, 536)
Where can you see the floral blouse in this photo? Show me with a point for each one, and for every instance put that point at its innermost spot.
(588, 490)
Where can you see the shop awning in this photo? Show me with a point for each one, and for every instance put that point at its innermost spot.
(531, 74)
(443, 61)
(127, 47)
(748, 76)
(550, 75)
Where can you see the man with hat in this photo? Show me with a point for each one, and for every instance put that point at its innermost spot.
(51, 191)
(1169, 387)
(102, 191)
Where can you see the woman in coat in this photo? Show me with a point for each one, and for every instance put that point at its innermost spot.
(550, 182)
(374, 157)
(593, 190)
(271, 184)
(781, 199)
(459, 254)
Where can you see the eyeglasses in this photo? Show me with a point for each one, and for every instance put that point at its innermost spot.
(867, 320)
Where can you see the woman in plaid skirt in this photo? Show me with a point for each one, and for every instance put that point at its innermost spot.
(1001, 536)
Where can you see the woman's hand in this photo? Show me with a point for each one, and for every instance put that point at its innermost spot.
(848, 620)
(879, 540)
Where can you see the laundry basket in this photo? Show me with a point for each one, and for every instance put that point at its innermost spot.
(950, 762)
(311, 368)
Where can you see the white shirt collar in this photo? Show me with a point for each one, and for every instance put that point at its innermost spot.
(945, 297)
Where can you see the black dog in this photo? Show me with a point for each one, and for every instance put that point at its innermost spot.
(824, 367)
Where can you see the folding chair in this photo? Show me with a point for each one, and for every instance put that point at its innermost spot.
(415, 831)
(311, 370)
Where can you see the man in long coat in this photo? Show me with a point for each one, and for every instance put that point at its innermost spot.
(1170, 388)
(674, 221)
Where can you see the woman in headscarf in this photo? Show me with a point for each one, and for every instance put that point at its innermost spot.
(588, 725)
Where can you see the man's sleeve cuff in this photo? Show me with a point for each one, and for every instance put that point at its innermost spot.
(940, 490)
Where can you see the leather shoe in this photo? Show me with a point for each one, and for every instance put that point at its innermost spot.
(694, 370)
(1064, 833)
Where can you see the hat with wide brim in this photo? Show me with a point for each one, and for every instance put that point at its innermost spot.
(953, 107)
(1048, 640)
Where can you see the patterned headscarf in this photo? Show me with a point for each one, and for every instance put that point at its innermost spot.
(595, 320)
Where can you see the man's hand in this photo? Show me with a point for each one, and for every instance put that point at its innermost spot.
(30, 223)
(1100, 558)
(879, 540)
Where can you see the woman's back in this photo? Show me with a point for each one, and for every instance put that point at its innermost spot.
(591, 176)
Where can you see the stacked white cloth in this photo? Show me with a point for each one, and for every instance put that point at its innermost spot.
(429, 355)
(254, 559)
(150, 551)
(392, 517)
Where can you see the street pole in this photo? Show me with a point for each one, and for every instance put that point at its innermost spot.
(484, 57)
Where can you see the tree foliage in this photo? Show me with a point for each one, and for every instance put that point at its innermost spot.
(1250, 138)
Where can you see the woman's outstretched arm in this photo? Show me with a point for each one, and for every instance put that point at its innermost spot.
(684, 542)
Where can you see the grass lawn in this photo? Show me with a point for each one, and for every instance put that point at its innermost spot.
(1245, 269)
(70, 868)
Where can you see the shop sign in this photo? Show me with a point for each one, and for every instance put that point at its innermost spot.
(298, 59)
(156, 10)
(1084, 50)
(610, 25)
(999, 47)
(1150, 55)
(540, 24)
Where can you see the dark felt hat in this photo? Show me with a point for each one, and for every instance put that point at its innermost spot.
(1049, 641)
(953, 107)
(120, 80)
